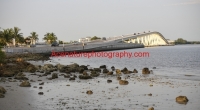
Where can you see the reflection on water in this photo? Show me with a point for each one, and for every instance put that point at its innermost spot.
(172, 61)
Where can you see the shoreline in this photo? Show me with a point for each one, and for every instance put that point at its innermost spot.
(142, 92)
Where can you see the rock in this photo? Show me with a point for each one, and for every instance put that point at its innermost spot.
(85, 77)
(113, 68)
(97, 69)
(84, 67)
(145, 71)
(34, 86)
(66, 76)
(54, 75)
(151, 71)
(40, 87)
(2, 90)
(75, 65)
(105, 70)
(89, 92)
(118, 71)
(151, 108)
(119, 78)
(3, 80)
(47, 72)
(25, 84)
(123, 82)
(72, 78)
(103, 66)
(80, 69)
(110, 73)
(31, 68)
(94, 74)
(182, 99)
(151, 85)
(154, 67)
(85, 73)
(109, 81)
(1, 95)
(21, 76)
(150, 94)
(40, 93)
(135, 71)
(124, 70)
(42, 83)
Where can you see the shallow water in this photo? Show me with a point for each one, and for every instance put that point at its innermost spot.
(170, 61)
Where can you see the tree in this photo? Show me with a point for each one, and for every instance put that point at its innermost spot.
(95, 38)
(17, 35)
(6, 36)
(2, 56)
(34, 36)
(50, 37)
(180, 41)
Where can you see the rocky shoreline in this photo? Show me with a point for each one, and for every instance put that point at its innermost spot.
(23, 72)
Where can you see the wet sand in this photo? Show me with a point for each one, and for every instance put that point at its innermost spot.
(142, 92)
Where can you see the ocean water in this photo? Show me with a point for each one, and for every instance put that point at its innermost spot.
(170, 61)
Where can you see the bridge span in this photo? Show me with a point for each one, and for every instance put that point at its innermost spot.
(146, 38)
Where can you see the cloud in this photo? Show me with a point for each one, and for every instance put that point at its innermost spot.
(186, 3)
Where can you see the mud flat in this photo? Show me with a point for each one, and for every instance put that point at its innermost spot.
(142, 92)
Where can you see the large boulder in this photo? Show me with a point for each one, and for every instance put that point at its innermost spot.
(145, 71)
(25, 84)
(123, 82)
(182, 99)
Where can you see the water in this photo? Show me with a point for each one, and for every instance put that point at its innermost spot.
(170, 61)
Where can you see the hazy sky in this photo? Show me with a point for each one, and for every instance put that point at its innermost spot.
(74, 19)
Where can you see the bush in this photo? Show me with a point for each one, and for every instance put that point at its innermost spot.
(2, 56)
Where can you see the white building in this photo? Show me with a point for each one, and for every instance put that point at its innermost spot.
(87, 39)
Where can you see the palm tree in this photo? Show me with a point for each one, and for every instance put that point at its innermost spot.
(50, 37)
(6, 36)
(16, 34)
(34, 36)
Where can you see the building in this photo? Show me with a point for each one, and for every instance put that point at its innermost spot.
(87, 39)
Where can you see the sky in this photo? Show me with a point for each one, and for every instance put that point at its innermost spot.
(74, 19)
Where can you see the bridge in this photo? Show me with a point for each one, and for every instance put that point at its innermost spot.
(146, 38)
(136, 40)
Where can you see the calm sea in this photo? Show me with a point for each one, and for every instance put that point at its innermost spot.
(170, 61)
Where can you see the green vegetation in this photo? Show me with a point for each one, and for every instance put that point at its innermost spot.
(7, 36)
(182, 41)
(34, 36)
(95, 38)
(2, 56)
(50, 37)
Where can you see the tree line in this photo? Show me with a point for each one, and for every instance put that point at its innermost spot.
(7, 36)
(182, 41)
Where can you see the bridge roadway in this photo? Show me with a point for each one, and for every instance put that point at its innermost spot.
(136, 40)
